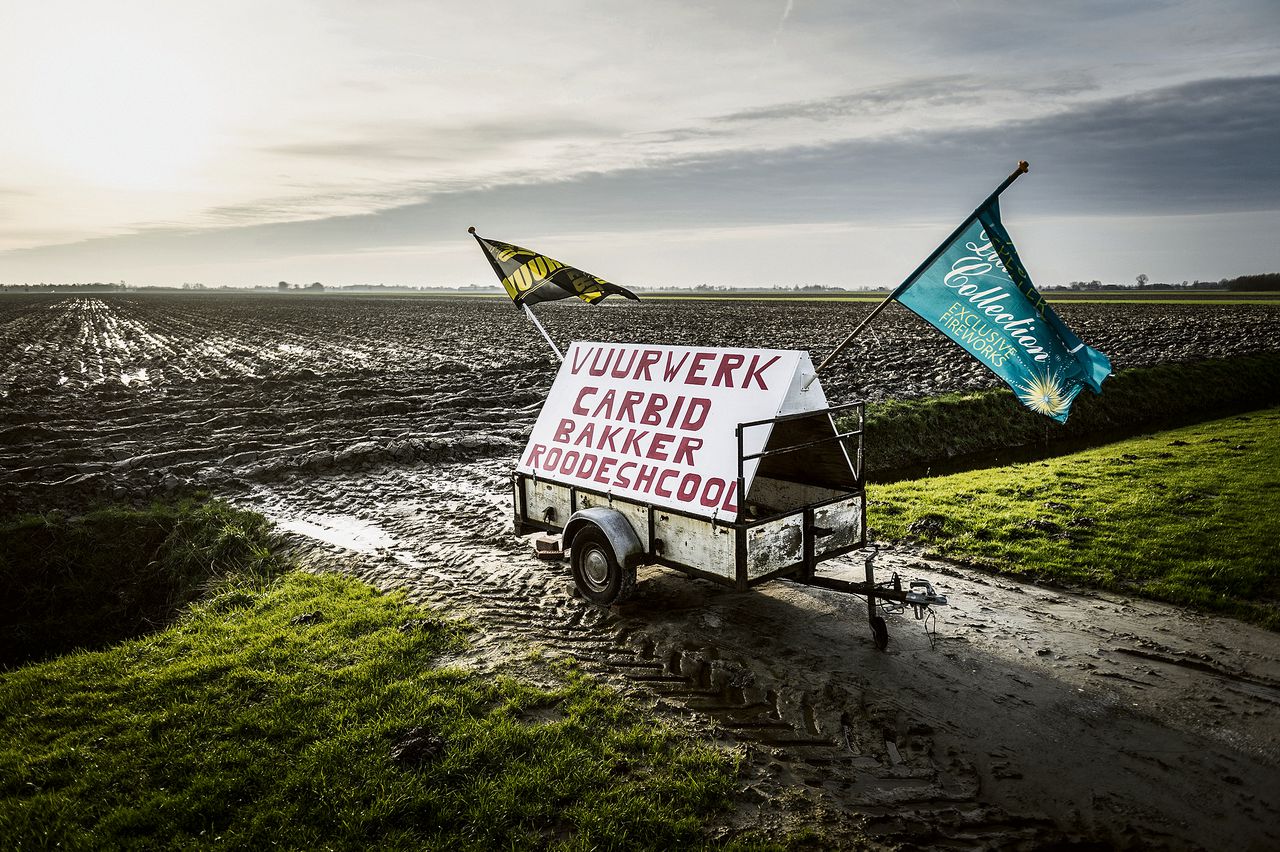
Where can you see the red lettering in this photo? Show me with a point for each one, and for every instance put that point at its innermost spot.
(587, 466)
(588, 432)
(607, 434)
(552, 459)
(724, 375)
(648, 358)
(666, 474)
(658, 446)
(699, 362)
(688, 487)
(673, 369)
(602, 472)
(580, 358)
(570, 459)
(653, 411)
(684, 452)
(644, 480)
(578, 407)
(709, 499)
(619, 371)
(606, 404)
(626, 411)
(729, 505)
(621, 478)
(631, 444)
(563, 431)
(675, 411)
(699, 408)
(598, 369)
(754, 372)
(535, 453)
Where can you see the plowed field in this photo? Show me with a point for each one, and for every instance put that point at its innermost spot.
(121, 394)
(379, 432)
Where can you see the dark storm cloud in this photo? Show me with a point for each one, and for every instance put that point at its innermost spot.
(1202, 147)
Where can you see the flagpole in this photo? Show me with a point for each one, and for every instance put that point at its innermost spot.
(497, 270)
(1021, 170)
(529, 312)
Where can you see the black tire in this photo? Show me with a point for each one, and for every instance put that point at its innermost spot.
(596, 571)
(879, 632)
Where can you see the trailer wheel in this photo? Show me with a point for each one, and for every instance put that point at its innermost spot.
(879, 632)
(596, 571)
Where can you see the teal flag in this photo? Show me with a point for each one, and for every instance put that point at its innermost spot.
(977, 292)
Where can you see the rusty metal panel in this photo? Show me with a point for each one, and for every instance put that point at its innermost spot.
(844, 519)
(695, 542)
(775, 544)
(541, 495)
(782, 495)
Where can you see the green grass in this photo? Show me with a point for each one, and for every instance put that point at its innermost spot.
(117, 572)
(921, 432)
(1186, 516)
(251, 724)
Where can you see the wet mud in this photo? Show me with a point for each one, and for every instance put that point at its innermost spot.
(1030, 717)
(130, 395)
(380, 433)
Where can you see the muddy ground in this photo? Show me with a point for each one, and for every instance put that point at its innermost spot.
(134, 394)
(1033, 717)
(379, 433)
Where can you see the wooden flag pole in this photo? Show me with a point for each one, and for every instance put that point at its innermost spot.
(1022, 168)
(529, 312)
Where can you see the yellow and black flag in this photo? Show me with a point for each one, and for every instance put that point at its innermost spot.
(530, 278)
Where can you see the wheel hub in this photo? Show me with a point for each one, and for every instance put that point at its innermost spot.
(595, 568)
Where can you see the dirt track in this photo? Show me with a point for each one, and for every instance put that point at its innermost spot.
(1039, 716)
(381, 431)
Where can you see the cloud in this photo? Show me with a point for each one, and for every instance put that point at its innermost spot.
(946, 90)
(1198, 148)
(443, 143)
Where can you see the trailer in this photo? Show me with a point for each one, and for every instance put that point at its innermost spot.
(726, 464)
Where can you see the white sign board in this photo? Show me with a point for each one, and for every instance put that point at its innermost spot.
(657, 424)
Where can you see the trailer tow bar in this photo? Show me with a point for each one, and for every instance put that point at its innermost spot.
(887, 597)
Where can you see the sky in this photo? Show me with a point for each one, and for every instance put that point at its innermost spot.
(736, 143)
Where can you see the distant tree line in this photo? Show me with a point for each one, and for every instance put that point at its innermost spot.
(728, 288)
(1265, 281)
(95, 287)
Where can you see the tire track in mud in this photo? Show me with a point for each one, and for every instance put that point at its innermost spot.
(868, 738)
(384, 428)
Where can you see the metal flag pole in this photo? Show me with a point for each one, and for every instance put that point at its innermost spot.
(1021, 170)
(529, 312)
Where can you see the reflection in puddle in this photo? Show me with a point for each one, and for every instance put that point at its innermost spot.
(341, 530)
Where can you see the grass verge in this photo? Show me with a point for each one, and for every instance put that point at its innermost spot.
(268, 718)
(1186, 516)
(918, 432)
(114, 573)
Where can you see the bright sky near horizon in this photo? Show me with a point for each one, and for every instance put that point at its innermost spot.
(654, 144)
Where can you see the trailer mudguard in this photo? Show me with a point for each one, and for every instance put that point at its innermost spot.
(626, 545)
